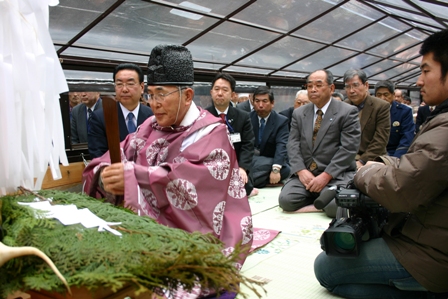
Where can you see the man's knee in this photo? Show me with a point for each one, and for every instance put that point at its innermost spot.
(291, 202)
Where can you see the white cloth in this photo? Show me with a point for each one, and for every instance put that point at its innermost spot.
(31, 79)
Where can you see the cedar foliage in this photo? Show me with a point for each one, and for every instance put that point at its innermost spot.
(149, 256)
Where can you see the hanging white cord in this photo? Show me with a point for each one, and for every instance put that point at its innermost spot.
(31, 79)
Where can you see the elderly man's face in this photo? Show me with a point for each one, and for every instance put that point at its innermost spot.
(384, 94)
(128, 89)
(398, 96)
(74, 99)
(356, 90)
(301, 99)
(169, 104)
(89, 98)
(319, 91)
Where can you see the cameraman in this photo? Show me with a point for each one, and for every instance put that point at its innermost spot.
(411, 258)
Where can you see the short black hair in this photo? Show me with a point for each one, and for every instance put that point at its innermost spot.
(264, 90)
(129, 66)
(226, 77)
(386, 84)
(436, 44)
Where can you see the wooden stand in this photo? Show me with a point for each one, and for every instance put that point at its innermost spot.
(71, 175)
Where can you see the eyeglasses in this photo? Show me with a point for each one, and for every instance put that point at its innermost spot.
(316, 85)
(160, 97)
(355, 85)
(121, 85)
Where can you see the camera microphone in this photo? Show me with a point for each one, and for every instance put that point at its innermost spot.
(325, 197)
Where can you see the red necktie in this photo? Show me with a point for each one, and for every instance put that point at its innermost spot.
(223, 117)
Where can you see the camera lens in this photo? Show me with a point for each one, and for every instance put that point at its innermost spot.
(344, 241)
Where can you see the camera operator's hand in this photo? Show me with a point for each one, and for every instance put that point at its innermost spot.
(319, 182)
(305, 176)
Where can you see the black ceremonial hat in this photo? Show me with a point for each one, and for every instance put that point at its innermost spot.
(170, 65)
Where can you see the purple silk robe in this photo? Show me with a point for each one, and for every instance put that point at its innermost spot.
(194, 188)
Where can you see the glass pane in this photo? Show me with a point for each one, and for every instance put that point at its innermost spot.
(79, 52)
(409, 53)
(415, 17)
(70, 17)
(396, 3)
(219, 7)
(281, 53)
(321, 59)
(284, 97)
(357, 62)
(395, 45)
(208, 66)
(392, 73)
(283, 15)
(380, 67)
(290, 74)
(228, 42)
(247, 70)
(88, 76)
(347, 18)
(437, 10)
(373, 34)
(138, 26)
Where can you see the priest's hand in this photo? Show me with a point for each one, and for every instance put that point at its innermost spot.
(113, 179)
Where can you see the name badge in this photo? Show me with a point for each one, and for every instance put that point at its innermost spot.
(235, 137)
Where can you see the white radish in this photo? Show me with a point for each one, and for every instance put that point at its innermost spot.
(7, 253)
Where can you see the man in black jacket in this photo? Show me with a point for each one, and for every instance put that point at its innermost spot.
(129, 86)
(238, 124)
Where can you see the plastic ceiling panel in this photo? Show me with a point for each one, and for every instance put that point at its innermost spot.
(346, 18)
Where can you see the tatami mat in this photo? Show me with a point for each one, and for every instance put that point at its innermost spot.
(286, 264)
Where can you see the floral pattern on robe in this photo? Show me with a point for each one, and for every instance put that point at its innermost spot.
(194, 188)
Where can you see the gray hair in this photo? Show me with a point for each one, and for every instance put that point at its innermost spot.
(351, 73)
(302, 91)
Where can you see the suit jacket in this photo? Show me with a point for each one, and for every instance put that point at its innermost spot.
(336, 143)
(244, 106)
(239, 122)
(275, 137)
(97, 135)
(288, 113)
(401, 129)
(422, 113)
(375, 128)
(78, 122)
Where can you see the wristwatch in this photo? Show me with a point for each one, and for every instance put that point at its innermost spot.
(275, 170)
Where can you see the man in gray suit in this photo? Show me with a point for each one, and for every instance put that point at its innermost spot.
(246, 105)
(322, 145)
(80, 115)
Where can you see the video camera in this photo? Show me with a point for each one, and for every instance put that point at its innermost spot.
(359, 218)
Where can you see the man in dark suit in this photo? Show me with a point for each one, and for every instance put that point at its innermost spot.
(422, 113)
(129, 86)
(374, 116)
(300, 100)
(321, 149)
(246, 105)
(238, 124)
(401, 120)
(270, 162)
(81, 114)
